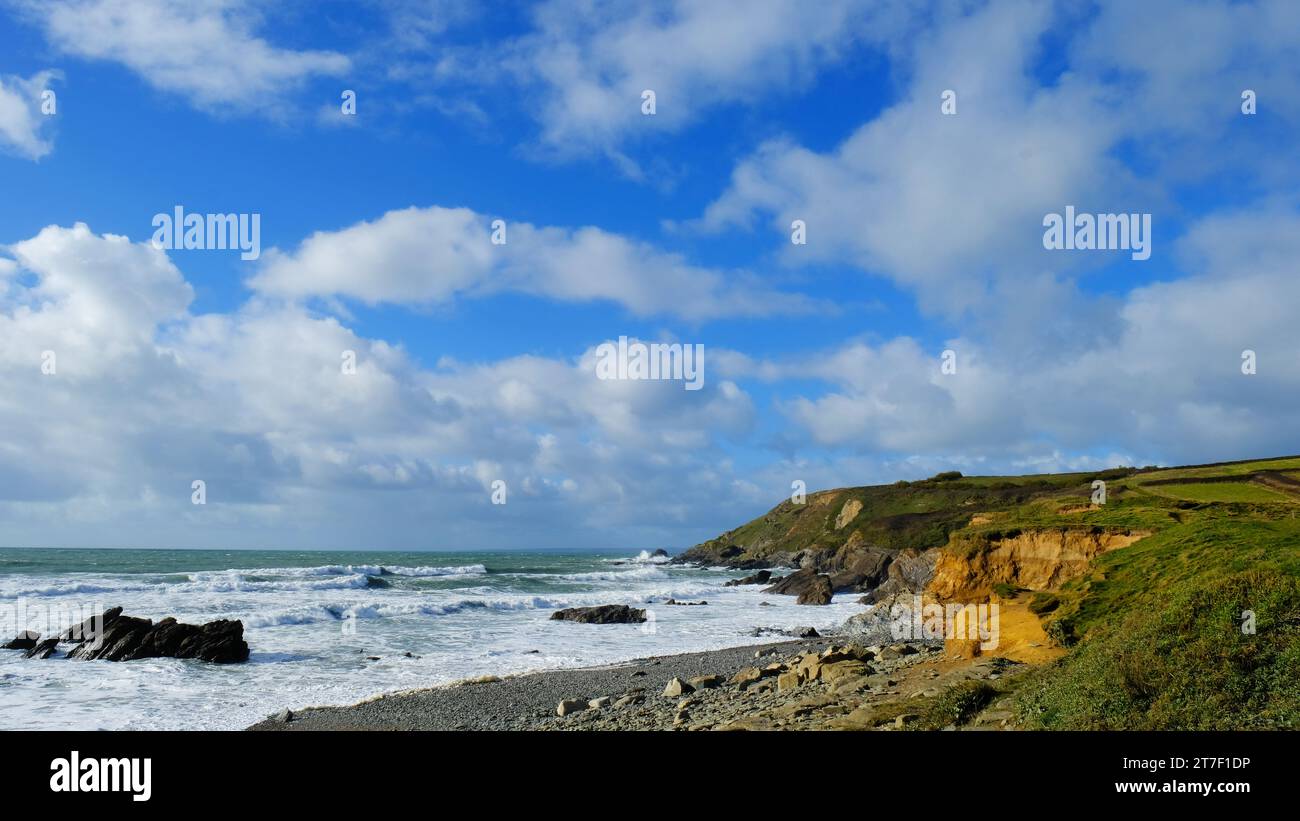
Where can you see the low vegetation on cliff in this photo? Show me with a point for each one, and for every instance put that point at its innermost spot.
(1172, 601)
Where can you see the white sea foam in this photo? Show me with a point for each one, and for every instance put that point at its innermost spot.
(313, 632)
(68, 589)
(348, 570)
(646, 557)
(638, 573)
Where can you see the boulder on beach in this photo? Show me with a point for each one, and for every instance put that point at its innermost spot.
(746, 677)
(676, 687)
(603, 614)
(705, 682)
(569, 706)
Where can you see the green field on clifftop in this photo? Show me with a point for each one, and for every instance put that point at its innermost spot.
(1154, 630)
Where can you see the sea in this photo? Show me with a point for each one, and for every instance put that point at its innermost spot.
(322, 630)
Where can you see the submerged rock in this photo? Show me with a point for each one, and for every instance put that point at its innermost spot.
(603, 614)
(761, 577)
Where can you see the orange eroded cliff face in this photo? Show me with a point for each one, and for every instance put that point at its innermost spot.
(1035, 559)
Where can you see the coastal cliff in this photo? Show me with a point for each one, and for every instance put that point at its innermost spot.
(1165, 599)
(1131, 598)
(885, 540)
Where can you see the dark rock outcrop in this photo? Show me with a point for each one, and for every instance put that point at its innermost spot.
(810, 586)
(44, 649)
(793, 584)
(761, 577)
(604, 614)
(115, 643)
(25, 640)
(89, 628)
(115, 637)
(732, 556)
(909, 572)
(220, 641)
(112, 636)
(817, 592)
(859, 570)
(659, 553)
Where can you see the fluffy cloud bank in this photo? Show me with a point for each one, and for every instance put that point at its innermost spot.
(431, 255)
(23, 127)
(146, 397)
(584, 66)
(1164, 383)
(208, 52)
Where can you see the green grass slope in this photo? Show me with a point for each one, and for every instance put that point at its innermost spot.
(1154, 630)
(918, 515)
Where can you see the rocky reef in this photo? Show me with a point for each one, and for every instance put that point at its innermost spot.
(112, 636)
(603, 614)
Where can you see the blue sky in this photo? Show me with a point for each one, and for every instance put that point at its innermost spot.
(822, 360)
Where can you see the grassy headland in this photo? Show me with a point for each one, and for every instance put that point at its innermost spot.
(1173, 605)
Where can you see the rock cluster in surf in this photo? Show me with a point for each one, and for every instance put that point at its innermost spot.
(112, 636)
